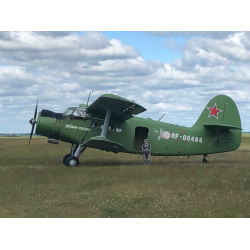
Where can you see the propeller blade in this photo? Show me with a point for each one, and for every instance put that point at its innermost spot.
(36, 108)
(31, 132)
(33, 121)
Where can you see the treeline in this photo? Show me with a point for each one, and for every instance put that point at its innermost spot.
(18, 135)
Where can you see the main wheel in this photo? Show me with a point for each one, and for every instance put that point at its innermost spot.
(65, 158)
(72, 161)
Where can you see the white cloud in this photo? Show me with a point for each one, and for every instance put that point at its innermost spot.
(63, 69)
(167, 66)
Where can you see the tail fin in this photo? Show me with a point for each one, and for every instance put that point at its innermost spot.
(220, 112)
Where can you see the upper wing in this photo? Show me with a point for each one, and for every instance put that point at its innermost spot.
(120, 106)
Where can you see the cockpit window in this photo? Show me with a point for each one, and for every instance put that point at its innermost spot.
(77, 113)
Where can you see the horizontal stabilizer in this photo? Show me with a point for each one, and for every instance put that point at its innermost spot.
(104, 144)
(223, 126)
(120, 106)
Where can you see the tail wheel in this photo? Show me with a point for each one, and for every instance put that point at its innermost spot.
(72, 161)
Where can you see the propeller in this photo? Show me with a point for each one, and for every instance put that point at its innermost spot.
(33, 121)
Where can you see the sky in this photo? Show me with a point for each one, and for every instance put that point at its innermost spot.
(169, 72)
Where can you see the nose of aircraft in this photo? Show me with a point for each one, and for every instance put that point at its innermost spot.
(48, 123)
(43, 124)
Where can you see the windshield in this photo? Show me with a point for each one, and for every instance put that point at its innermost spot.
(68, 112)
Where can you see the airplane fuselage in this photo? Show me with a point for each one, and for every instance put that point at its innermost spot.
(164, 138)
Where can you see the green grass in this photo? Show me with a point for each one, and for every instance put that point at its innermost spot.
(35, 183)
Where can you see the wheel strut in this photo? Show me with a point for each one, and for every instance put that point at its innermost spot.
(204, 160)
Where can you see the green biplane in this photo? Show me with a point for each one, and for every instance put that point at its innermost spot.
(109, 124)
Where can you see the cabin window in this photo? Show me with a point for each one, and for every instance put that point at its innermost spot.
(111, 128)
(118, 130)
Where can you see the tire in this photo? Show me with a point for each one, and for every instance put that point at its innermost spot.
(72, 161)
(65, 158)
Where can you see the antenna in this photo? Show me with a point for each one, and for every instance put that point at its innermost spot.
(89, 97)
(161, 117)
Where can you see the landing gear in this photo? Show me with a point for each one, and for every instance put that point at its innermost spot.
(204, 160)
(71, 160)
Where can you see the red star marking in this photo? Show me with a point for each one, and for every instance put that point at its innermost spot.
(214, 111)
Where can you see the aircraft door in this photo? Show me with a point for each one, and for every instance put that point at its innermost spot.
(141, 133)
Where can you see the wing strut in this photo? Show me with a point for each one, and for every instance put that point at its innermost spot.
(106, 121)
(106, 124)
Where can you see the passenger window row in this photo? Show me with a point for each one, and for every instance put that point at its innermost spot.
(111, 128)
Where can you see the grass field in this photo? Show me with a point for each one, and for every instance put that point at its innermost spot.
(35, 183)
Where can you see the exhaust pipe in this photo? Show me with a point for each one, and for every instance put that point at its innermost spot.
(52, 140)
